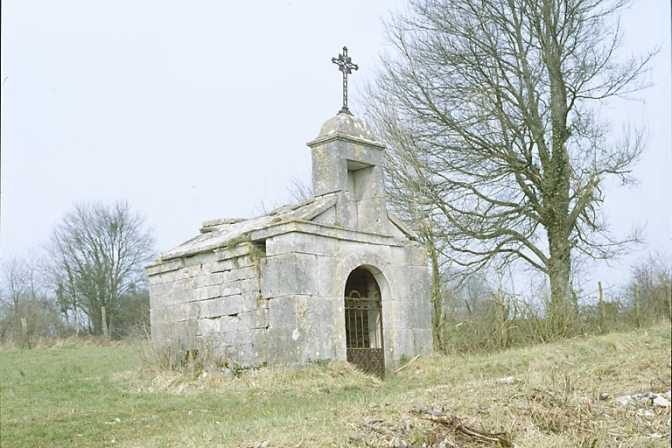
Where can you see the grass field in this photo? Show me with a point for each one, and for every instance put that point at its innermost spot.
(79, 395)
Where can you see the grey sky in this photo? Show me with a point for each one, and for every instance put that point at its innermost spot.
(200, 110)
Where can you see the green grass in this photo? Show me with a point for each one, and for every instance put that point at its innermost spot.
(83, 396)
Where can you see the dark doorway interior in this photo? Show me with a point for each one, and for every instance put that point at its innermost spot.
(363, 322)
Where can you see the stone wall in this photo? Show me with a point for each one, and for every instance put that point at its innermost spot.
(211, 302)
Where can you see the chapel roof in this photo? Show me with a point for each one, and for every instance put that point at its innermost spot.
(222, 232)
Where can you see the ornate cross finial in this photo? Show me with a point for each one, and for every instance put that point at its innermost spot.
(346, 66)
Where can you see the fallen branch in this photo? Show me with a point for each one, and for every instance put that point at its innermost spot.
(456, 424)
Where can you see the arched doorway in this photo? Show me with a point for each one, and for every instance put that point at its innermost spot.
(364, 322)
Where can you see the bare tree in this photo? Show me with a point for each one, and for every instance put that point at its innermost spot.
(653, 278)
(97, 255)
(299, 191)
(492, 108)
(26, 311)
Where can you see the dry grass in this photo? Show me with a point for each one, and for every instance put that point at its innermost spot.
(315, 379)
(551, 396)
(72, 341)
(541, 396)
(552, 400)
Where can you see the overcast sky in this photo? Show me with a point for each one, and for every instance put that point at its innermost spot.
(198, 110)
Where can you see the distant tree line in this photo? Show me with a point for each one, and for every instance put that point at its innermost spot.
(485, 312)
(89, 278)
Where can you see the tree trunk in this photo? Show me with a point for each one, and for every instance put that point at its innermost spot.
(638, 322)
(559, 274)
(601, 309)
(103, 319)
(668, 293)
(437, 300)
(96, 321)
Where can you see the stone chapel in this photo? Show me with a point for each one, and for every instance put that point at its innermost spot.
(337, 277)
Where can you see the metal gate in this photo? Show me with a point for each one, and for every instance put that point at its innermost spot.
(364, 333)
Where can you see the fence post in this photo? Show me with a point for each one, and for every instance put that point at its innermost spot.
(502, 317)
(637, 318)
(24, 333)
(104, 316)
(600, 309)
(668, 291)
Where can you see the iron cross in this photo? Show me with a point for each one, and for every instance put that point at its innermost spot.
(346, 66)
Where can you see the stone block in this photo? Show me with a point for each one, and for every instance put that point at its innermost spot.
(282, 345)
(289, 274)
(226, 253)
(254, 319)
(282, 312)
(193, 271)
(208, 327)
(329, 284)
(164, 266)
(207, 292)
(313, 326)
(230, 323)
(423, 341)
(228, 264)
(250, 272)
(327, 217)
(167, 277)
(245, 348)
(372, 215)
(166, 288)
(176, 335)
(424, 310)
(206, 279)
(299, 242)
(220, 306)
(324, 328)
(403, 343)
(172, 313)
(329, 171)
(177, 296)
(199, 259)
(240, 287)
(249, 320)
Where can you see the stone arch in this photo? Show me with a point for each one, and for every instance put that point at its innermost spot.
(382, 272)
(374, 264)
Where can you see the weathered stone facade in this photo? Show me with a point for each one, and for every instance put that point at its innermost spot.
(272, 290)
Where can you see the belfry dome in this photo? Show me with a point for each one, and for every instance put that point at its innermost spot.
(346, 124)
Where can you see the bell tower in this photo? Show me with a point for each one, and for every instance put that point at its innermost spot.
(348, 161)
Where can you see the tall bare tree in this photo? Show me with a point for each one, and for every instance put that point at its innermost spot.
(493, 106)
(97, 255)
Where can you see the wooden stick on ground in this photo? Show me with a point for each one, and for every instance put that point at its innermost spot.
(406, 365)
(454, 422)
